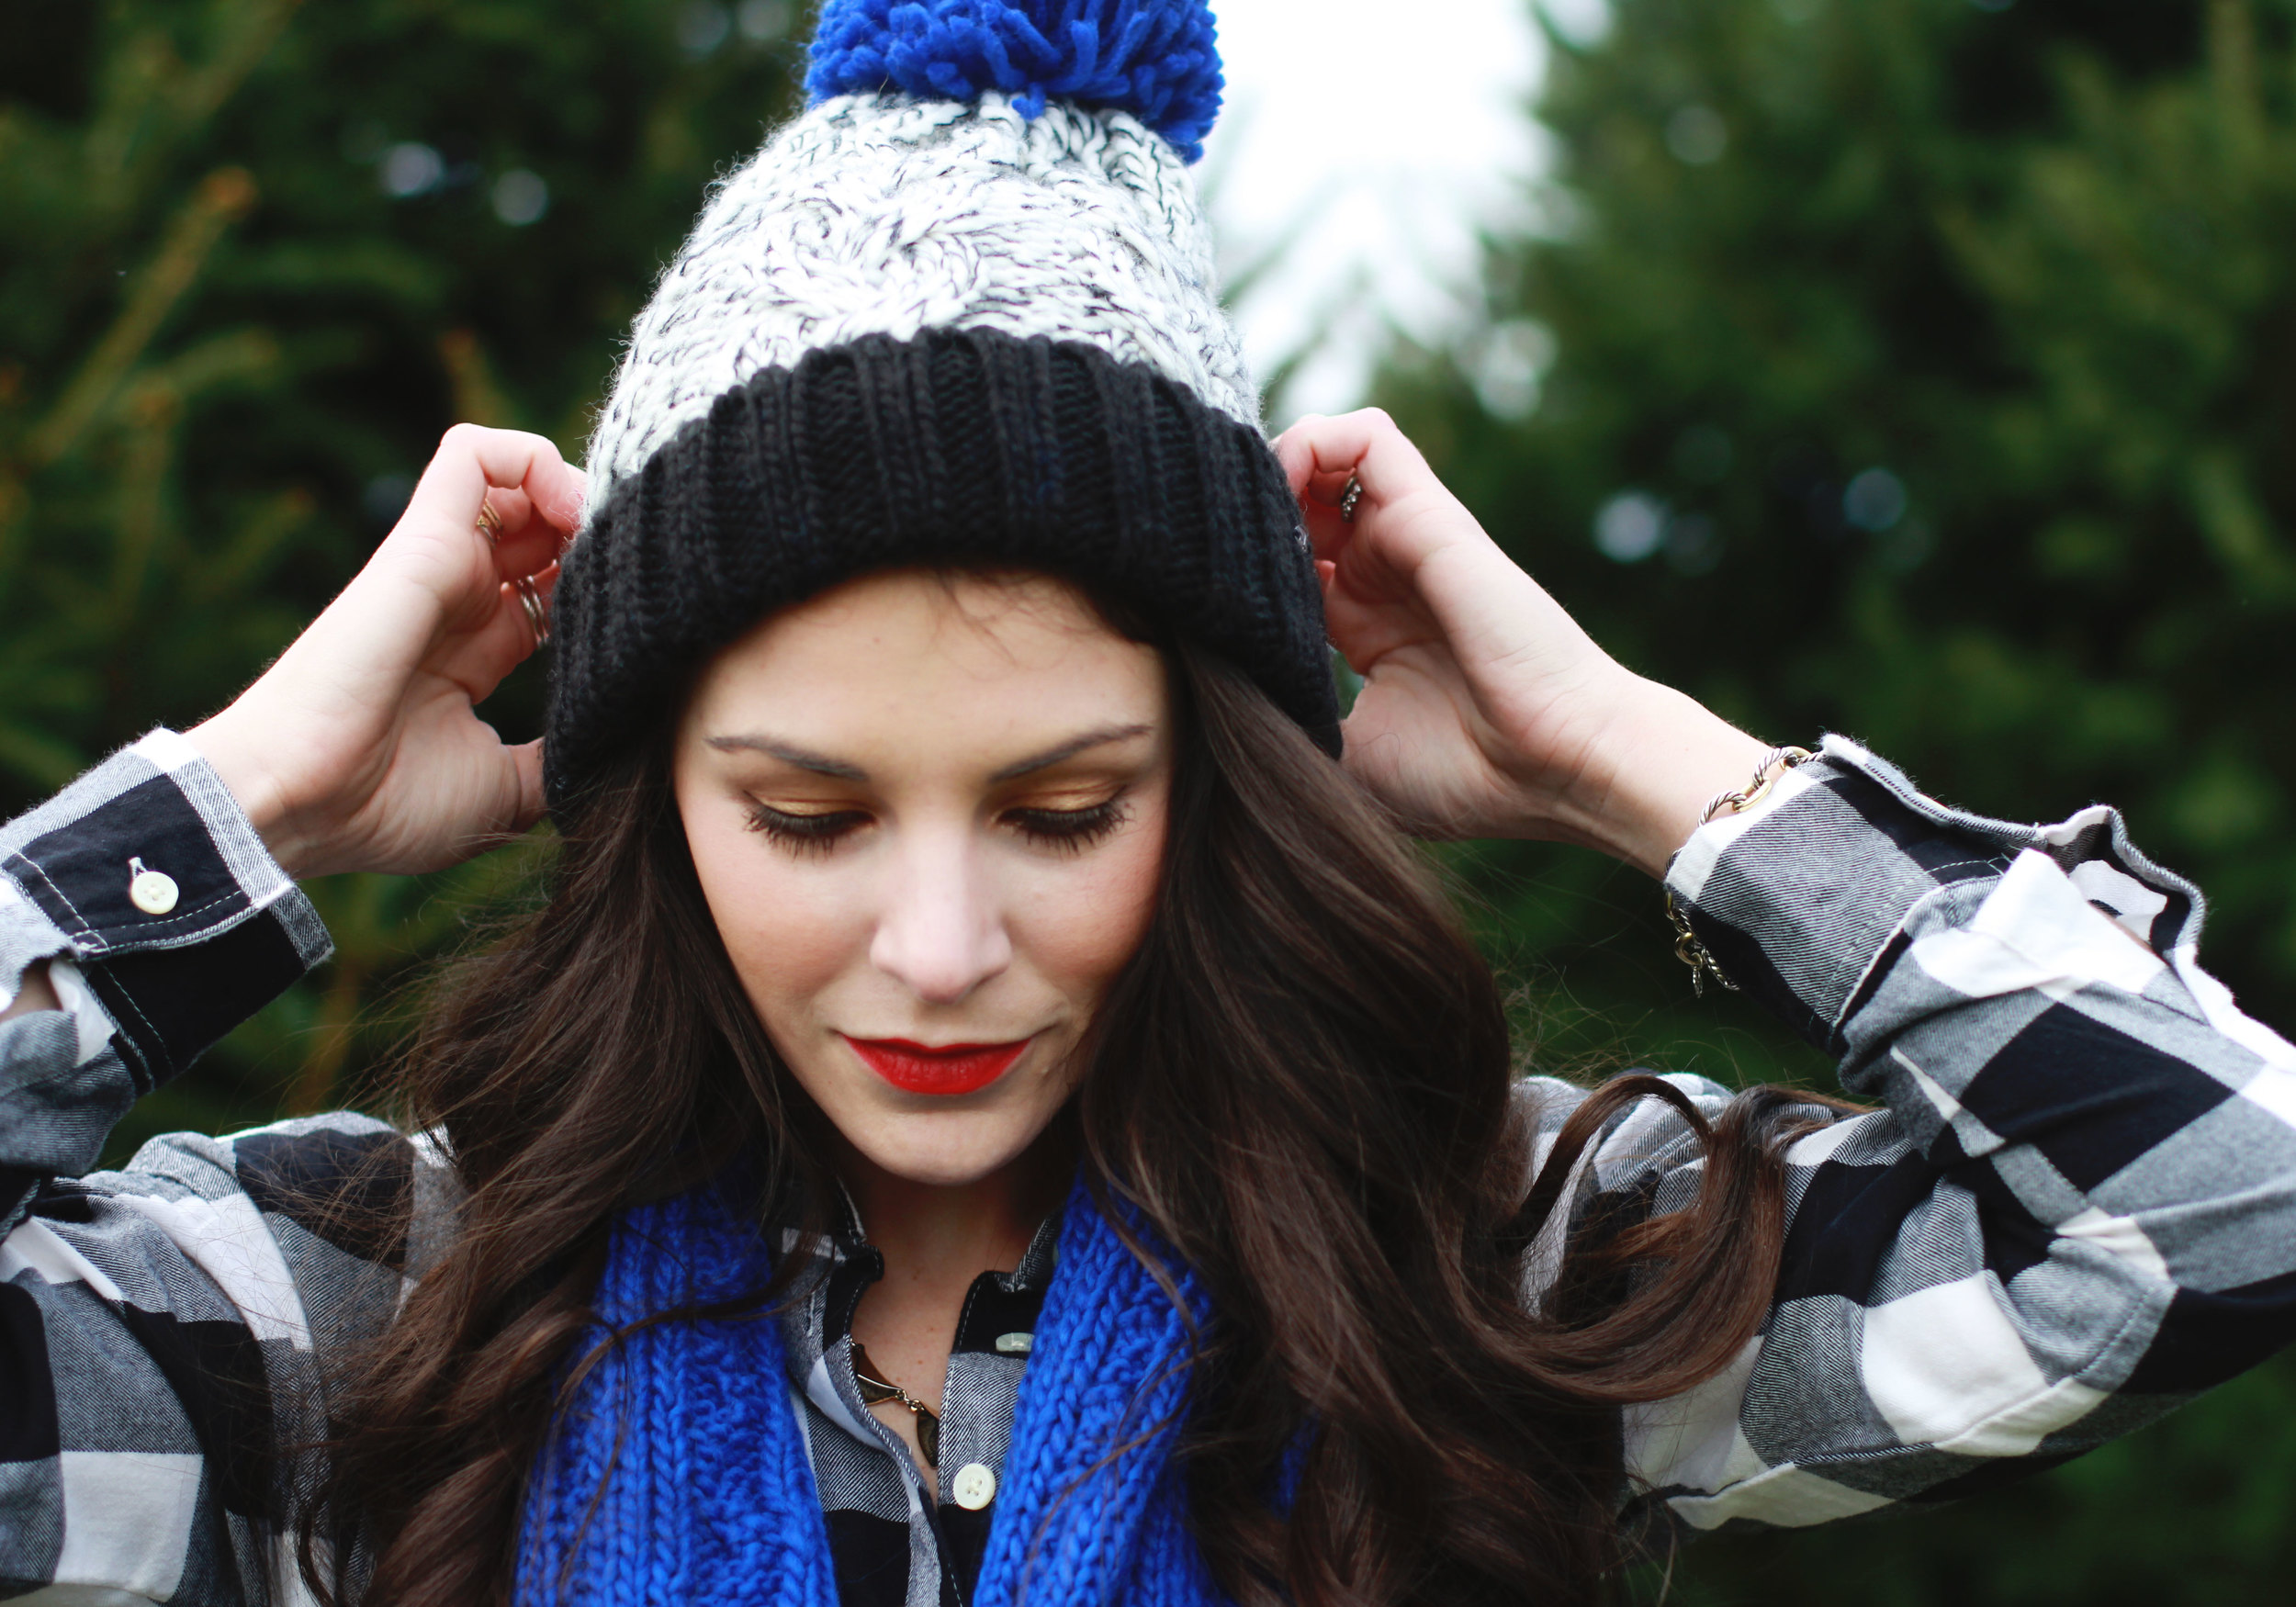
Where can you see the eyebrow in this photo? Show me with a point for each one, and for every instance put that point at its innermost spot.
(803, 759)
(1070, 749)
(789, 753)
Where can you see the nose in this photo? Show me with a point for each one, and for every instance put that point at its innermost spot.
(942, 932)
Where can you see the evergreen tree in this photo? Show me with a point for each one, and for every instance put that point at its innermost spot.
(258, 257)
(1913, 367)
(1921, 369)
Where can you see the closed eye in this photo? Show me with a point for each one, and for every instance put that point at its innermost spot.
(1071, 830)
(1067, 830)
(806, 832)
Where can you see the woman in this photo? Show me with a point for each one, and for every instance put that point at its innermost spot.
(991, 1111)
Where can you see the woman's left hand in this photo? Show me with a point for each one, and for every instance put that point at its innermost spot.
(1485, 710)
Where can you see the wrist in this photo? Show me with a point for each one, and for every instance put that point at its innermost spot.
(1664, 759)
(239, 764)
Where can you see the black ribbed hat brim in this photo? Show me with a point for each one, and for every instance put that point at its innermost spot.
(953, 448)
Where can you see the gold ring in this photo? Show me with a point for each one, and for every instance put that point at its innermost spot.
(538, 614)
(489, 522)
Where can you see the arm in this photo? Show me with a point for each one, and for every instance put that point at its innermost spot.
(102, 1310)
(151, 906)
(126, 998)
(164, 1331)
(2076, 1206)
(156, 1324)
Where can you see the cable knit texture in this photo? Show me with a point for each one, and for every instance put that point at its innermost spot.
(953, 448)
(963, 310)
(679, 1474)
(1156, 59)
(876, 214)
(674, 1419)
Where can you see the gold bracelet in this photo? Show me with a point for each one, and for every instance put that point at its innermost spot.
(1688, 946)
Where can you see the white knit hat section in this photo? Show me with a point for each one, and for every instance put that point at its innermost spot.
(875, 214)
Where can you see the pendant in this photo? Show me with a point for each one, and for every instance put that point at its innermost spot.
(876, 1388)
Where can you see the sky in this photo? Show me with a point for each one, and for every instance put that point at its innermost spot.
(1368, 146)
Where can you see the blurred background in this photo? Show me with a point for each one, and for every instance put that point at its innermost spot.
(1921, 369)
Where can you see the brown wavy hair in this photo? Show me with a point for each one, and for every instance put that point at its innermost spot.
(1304, 1079)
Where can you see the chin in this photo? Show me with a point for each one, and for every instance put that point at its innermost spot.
(943, 1150)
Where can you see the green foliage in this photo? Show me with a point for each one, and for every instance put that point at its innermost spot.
(1947, 350)
(2029, 259)
(259, 257)
(1925, 368)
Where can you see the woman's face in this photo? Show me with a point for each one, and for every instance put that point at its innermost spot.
(928, 815)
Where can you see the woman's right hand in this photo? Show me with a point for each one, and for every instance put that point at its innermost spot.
(1486, 710)
(359, 749)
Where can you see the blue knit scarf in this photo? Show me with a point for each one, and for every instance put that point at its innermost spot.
(681, 1474)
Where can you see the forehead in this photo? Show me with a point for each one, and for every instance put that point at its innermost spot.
(914, 660)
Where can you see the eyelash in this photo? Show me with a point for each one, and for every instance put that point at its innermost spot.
(1064, 831)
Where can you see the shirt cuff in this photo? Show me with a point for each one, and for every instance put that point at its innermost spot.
(147, 874)
(1799, 897)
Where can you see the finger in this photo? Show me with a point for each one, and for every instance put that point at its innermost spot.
(507, 519)
(473, 463)
(1328, 536)
(554, 489)
(482, 659)
(559, 495)
(526, 543)
(512, 509)
(1323, 456)
(437, 552)
(1316, 483)
(527, 760)
(1366, 445)
(1295, 452)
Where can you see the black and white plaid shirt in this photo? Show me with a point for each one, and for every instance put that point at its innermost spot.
(2075, 1208)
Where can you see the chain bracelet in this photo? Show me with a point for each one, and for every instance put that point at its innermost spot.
(1689, 948)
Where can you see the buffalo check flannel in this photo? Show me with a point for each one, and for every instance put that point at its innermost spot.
(2074, 1206)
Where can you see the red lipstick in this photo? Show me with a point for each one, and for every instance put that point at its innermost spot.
(948, 1070)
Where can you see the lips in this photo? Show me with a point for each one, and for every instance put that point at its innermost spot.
(945, 1071)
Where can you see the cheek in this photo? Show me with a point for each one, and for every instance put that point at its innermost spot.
(788, 933)
(1078, 929)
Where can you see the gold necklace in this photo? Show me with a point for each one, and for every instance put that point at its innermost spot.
(875, 1387)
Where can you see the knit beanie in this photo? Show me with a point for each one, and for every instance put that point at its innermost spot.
(963, 310)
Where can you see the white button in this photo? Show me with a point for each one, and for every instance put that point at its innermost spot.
(974, 1487)
(1015, 1344)
(153, 891)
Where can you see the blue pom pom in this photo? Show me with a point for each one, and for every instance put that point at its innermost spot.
(1158, 60)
